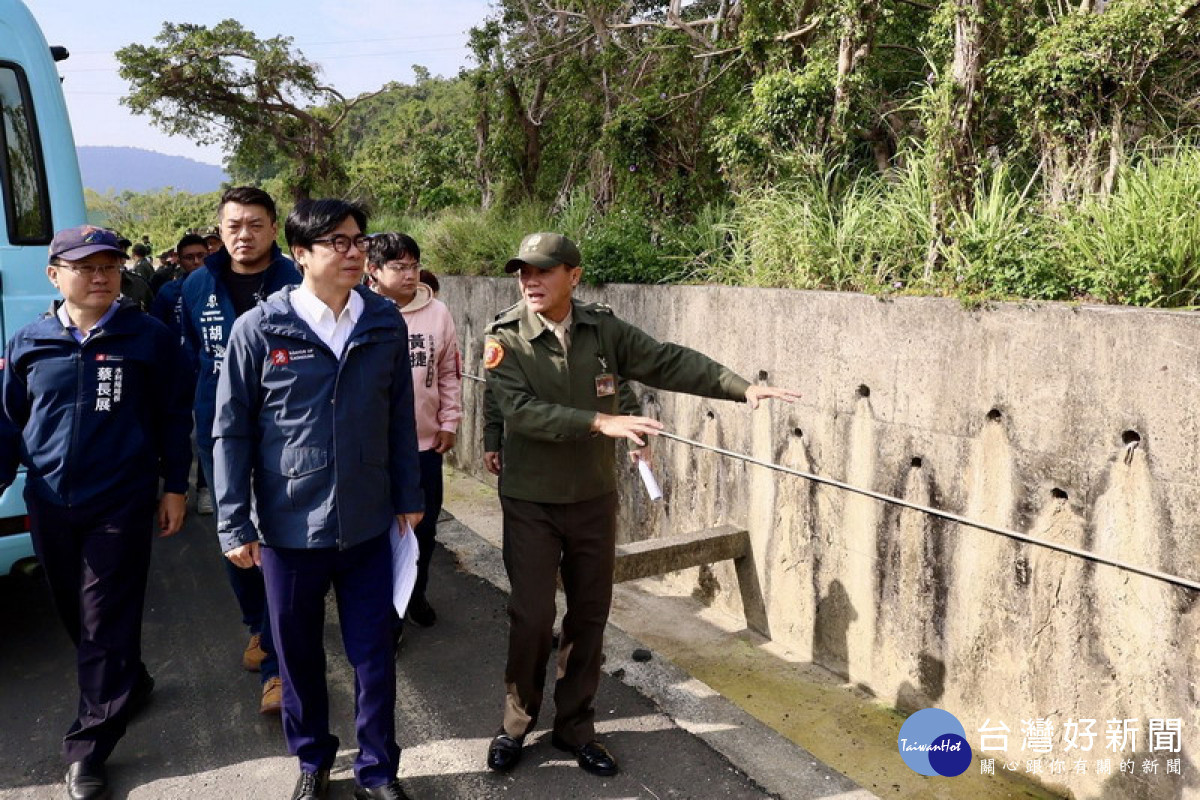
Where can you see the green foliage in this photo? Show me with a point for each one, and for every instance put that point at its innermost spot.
(257, 96)
(1079, 72)
(1001, 247)
(164, 215)
(873, 146)
(1141, 245)
(787, 114)
(411, 148)
(471, 241)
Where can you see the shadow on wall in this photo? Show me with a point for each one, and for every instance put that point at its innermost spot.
(835, 613)
(931, 675)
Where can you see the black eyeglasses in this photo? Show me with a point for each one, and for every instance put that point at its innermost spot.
(341, 242)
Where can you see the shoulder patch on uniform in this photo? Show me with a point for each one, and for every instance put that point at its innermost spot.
(493, 354)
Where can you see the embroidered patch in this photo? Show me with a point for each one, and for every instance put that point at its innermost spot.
(280, 357)
(493, 354)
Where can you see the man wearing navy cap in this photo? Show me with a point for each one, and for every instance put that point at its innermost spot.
(94, 402)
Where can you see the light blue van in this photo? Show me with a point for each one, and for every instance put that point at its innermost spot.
(40, 192)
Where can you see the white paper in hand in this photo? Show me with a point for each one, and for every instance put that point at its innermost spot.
(648, 479)
(404, 565)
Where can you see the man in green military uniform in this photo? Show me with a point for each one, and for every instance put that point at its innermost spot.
(553, 366)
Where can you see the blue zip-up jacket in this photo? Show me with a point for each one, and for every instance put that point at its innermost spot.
(207, 316)
(100, 420)
(167, 307)
(329, 445)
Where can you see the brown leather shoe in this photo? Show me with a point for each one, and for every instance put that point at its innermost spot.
(272, 697)
(253, 655)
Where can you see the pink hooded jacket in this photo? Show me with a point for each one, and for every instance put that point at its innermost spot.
(436, 367)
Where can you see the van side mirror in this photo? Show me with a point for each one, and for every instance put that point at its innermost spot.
(59, 53)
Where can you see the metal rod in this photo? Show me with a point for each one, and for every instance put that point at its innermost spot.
(935, 512)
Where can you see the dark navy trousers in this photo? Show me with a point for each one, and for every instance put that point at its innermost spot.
(248, 588)
(361, 577)
(426, 530)
(96, 560)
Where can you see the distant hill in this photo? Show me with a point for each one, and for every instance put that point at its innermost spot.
(131, 168)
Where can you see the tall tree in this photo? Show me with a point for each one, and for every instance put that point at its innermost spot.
(224, 84)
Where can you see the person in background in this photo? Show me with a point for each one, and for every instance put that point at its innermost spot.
(167, 308)
(232, 281)
(213, 241)
(430, 280)
(315, 427)
(167, 271)
(94, 402)
(142, 266)
(394, 264)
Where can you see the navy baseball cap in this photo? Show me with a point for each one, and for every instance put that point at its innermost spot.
(72, 244)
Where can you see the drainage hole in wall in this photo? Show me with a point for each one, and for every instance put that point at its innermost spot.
(1058, 494)
(710, 415)
(917, 462)
(864, 390)
(994, 415)
(1131, 437)
(762, 375)
(797, 432)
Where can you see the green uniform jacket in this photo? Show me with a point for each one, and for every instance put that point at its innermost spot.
(548, 402)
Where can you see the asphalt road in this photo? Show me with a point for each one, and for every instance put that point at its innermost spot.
(202, 735)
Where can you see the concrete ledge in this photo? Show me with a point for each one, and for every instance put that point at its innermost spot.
(673, 553)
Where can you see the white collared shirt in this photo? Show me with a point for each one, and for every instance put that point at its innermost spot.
(333, 331)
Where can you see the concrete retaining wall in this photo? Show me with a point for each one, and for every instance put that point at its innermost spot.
(1079, 425)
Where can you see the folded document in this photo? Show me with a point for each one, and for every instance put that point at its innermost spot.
(404, 565)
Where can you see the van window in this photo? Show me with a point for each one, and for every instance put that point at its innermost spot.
(22, 174)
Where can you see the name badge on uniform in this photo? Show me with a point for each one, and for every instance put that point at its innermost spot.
(606, 385)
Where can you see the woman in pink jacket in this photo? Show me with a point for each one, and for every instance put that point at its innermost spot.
(394, 265)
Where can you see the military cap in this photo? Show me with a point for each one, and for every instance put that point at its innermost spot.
(545, 251)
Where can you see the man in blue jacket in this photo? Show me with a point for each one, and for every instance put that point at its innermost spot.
(315, 423)
(231, 282)
(94, 402)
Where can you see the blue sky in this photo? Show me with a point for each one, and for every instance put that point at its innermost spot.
(360, 44)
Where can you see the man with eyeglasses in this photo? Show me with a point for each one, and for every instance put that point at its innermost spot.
(232, 281)
(94, 402)
(317, 394)
(394, 264)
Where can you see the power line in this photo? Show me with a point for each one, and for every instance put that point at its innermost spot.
(317, 44)
(396, 53)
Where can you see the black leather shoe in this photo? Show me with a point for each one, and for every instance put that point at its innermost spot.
(389, 791)
(592, 757)
(312, 785)
(504, 752)
(422, 613)
(87, 781)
